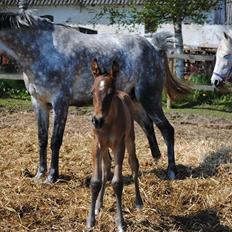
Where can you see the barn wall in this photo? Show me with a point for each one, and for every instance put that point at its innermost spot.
(82, 16)
(195, 35)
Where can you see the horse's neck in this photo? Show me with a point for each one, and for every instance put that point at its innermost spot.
(12, 43)
(9, 51)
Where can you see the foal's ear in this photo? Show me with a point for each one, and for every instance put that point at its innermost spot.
(115, 69)
(95, 68)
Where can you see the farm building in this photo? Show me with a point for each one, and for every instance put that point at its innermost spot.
(81, 13)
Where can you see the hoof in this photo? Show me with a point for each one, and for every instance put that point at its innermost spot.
(51, 179)
(90, 223)
(121, 228)
(52, 176)
(97, 209)
(171, 175)
(139, 204)
(39, 175)
(121, 225)
(156, 156)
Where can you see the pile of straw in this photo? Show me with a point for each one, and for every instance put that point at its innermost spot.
(199, 200)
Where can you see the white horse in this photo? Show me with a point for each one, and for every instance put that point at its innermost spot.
(223, 66)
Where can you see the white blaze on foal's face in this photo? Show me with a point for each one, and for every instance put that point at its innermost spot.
(101, 85)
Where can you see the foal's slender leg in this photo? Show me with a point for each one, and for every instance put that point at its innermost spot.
(134, 164)
(146, 124)
(117, 183)
(42, 114)
(60, 111)
(96, 183)
(106, 165)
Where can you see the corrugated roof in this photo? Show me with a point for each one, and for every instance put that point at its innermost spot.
(72, 2)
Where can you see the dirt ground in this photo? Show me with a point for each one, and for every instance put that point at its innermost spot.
(199, 200)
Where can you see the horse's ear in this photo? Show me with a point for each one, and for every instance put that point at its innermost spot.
(115, 69)
(227, 37)
(95, 68)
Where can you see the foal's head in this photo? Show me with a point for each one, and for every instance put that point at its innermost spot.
(103, 90)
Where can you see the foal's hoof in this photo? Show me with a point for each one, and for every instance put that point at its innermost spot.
(171, 175)
(39, 175)
(121, 228)
(98, 206)
(51, 179)
(90, 223)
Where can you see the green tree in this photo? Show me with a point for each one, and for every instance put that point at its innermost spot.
(156, 12)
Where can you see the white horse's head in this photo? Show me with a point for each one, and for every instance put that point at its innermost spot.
(223, 66)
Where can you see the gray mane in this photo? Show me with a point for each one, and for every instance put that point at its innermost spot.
(23, 20)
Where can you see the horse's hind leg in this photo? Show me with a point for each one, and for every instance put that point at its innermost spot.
(150, 99)
(167, 132)
(42, 114)
(134, 164)
(60, 109)
(146, 124)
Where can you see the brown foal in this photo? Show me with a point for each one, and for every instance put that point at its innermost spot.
(113, 129)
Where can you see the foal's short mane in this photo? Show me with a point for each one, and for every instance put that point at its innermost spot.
(24, 20)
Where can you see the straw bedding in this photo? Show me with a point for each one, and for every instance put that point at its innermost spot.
(199, 200)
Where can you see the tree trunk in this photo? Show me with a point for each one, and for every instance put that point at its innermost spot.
(179, 65)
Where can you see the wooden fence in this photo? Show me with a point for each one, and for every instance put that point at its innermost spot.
(172, 57)
(194, 58)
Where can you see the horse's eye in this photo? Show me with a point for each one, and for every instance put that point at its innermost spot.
(228, 56)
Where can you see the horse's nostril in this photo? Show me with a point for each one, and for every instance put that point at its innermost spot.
(97, 122)
(216, 82)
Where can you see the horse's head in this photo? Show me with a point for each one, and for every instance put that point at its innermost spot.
(103, 90)
(223, 66)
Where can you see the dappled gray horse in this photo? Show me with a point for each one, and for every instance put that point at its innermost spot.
(56, 61)
(223, 66)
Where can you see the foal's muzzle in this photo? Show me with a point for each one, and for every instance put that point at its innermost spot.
(97, 122)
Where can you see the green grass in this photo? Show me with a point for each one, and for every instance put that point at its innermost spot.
(203, 110)
(206, 112)
(15, 104)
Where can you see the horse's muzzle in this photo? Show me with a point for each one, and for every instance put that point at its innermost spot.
(97, 122)
(216, 80)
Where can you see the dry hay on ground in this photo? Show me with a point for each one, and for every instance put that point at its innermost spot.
(199, 200)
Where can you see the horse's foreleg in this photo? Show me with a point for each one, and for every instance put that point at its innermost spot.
(117, 183)
(106, 165)
(146, 124)
(134, 164)
(96, 182)
(42, 114)
(60, 111)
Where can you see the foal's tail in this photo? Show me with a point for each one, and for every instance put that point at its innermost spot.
(174, 87)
